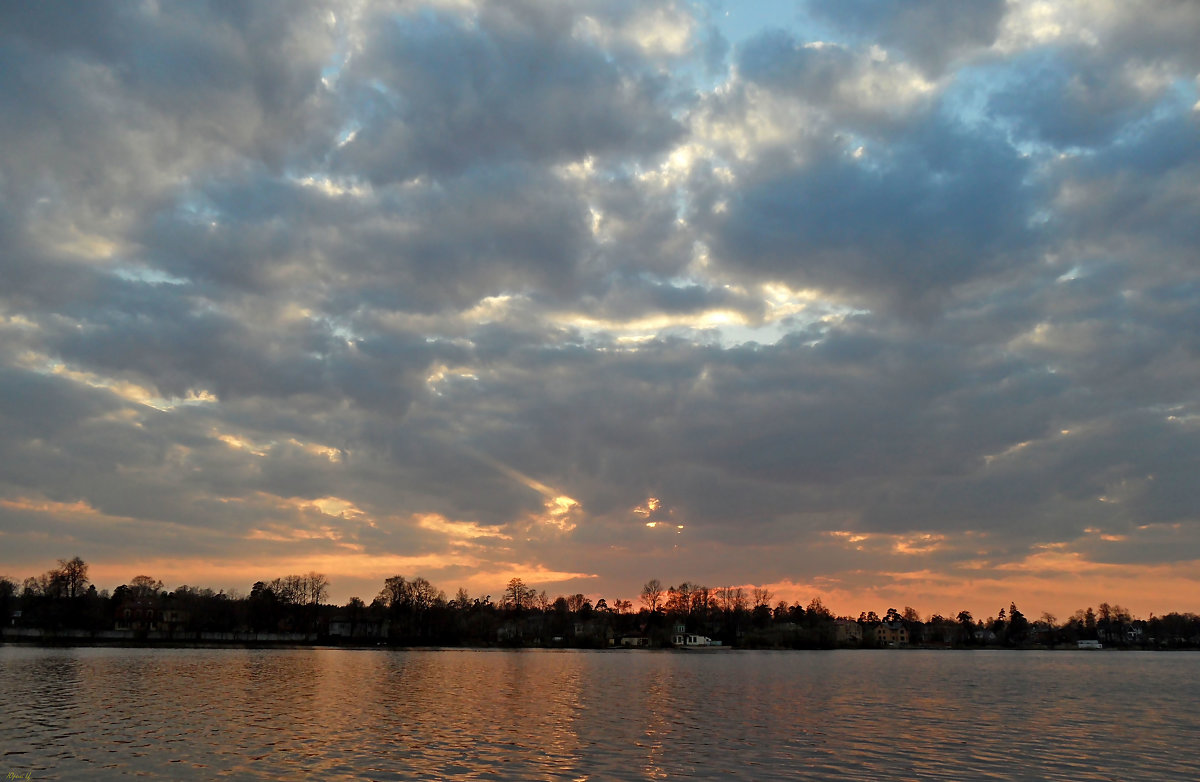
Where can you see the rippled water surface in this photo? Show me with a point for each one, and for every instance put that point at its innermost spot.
(342, 714)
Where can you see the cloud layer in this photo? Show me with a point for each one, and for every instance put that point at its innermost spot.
(887, 303)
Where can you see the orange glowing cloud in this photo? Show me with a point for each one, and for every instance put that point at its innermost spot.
(79, 507)
(457, 531)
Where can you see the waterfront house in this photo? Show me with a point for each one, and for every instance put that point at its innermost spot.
(848, 631)
(692, 639)
(137, 614)
(342, 626)
(891, 634)
(174, 619)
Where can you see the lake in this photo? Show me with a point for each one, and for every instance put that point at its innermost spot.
(102, 713)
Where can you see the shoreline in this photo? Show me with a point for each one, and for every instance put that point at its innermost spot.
(68, 642)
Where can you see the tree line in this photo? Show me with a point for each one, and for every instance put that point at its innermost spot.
(413, 611)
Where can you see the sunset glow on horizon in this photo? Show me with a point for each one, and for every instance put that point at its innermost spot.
(887, 304)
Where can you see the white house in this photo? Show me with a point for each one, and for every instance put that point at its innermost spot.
(681, 638)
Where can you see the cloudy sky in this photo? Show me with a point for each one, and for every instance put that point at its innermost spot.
(894, 303)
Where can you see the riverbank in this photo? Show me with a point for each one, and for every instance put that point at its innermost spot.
(121, 640)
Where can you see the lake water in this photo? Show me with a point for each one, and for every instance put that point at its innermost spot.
(173, 714)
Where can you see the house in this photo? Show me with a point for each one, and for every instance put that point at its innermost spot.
(634, 641)
(138, 614)
(342, 626)
(509, 632)
(593, 633)
(848, 631)
(1090, 645)
(891, 634)
(173, 619)
(692, 639)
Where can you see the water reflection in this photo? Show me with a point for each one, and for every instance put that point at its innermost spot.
(257, 714)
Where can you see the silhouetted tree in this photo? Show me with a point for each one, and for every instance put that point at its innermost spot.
(74, 575)
(816, 611)
(762, 597)
(143, 587)
(652, 594)
(966, 625)
(394, 592)
(462, 600)
(1018, 625)
(316, 587)
(731, 599)
(517, 596)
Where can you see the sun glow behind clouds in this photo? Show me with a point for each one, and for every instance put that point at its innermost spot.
(125, 389)
(648, 507)
(560, 512)
(458, 531)
(763, 315)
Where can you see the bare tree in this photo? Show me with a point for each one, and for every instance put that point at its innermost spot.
(702, 598)
(679, 599)
(48, 584)
(424, 594)
(293, 590)
(517, 595)
(74, 575)
(652, 594)
(762, 597)
(316, 587)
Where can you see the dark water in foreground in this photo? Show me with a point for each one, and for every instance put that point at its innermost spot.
(518, 715)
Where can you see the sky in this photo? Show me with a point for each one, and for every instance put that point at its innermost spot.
(887, 303)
